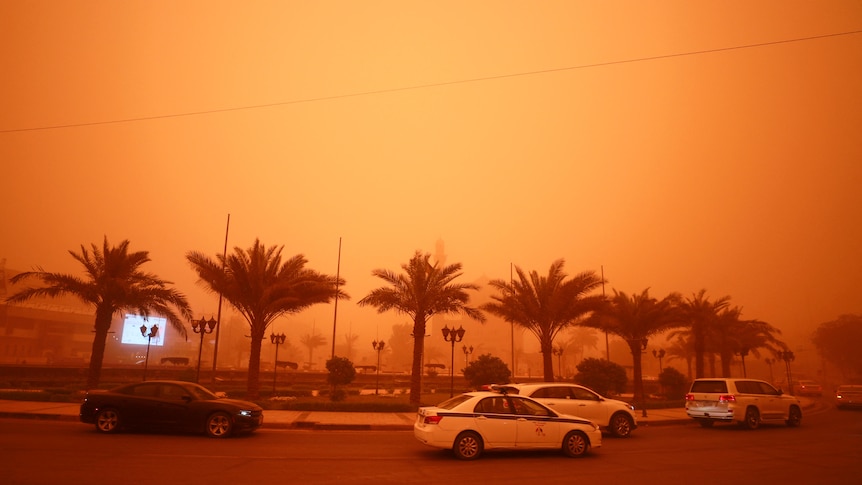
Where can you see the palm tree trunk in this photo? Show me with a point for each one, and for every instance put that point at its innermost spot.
(418, 349)
(97, 355)
(253, 389)
(548, 360)
(637, 370)
(726, 359)
(699, 350)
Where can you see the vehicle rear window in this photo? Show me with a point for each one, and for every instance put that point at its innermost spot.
(452, 402)
(709, 386)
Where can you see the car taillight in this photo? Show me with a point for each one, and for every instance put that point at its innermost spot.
(689, 397)
(727, 398)
(433, 419)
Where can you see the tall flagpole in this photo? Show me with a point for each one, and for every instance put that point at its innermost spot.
(512, 284)
(607, 345)
(218, 316)
(335, 316)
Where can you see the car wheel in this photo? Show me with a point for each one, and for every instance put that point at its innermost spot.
(752, 418)
(108, 420)
(621, 425)
(468, 446)
(794, 418)
(219, 425)
(705, 423)
(576, 444)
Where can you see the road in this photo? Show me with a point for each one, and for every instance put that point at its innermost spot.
(825, 450)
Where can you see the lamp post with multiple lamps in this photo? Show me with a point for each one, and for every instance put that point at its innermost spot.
(154, 330)
(558, 351)
(378, 347)
(659, 354)
(203, 327)
(453, 336)
(277, 339)
(467, 352)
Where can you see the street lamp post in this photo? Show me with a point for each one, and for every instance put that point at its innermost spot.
(153, 331)
(277, 339)
(659, 354)
(467, 352)
(203, 327)
(558, 351)
(378, 347)
(452, 335)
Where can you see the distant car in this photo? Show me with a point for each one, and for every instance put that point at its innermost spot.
(748, 402)
(615, 416)
(848, 396)
(807, 388)
(172, 405)
(474, 422)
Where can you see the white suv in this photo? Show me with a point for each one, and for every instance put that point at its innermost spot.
(748, 402)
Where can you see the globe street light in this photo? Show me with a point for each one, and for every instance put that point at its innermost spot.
(452, 335)
(378, 346)
(277, 340)
(203, 327)
(659, 354)
(153, 331)
(467, 352)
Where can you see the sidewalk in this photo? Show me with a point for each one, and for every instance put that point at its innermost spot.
(305, 419)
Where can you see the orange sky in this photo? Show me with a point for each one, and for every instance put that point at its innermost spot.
(677, 145)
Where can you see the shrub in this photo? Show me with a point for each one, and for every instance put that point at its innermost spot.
(341, 373)
(601, 376)
(673, 383)
(487, 369)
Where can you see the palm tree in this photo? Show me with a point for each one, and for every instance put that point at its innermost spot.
(701, 314)
(635, 318)
(262, 288)
(734, 336)
(114, 283)
(312, 341)
(545, 305)
(682, 348)
(421, 291)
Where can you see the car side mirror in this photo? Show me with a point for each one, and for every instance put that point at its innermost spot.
(187, 398)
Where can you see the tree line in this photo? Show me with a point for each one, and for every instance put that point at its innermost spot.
(262, 285)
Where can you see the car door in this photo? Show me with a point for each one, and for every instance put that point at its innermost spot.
(773, 405)
(535, 427)
(495, 419)
(139, 406)
(173, 406)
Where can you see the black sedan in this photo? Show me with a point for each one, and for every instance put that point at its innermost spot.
(171, 405)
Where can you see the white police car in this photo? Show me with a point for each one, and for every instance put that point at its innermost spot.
(473, 422)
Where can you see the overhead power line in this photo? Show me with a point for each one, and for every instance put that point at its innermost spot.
(436, 84)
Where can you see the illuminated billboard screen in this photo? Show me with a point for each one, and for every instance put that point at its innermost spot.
(132, 330)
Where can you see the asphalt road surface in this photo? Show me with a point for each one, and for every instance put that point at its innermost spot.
(825, 450)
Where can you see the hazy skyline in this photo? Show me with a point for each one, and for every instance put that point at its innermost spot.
(677, 145)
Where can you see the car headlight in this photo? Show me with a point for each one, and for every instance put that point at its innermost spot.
(245, 412)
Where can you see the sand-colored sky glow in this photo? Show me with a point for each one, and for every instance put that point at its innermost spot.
(677, 145)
